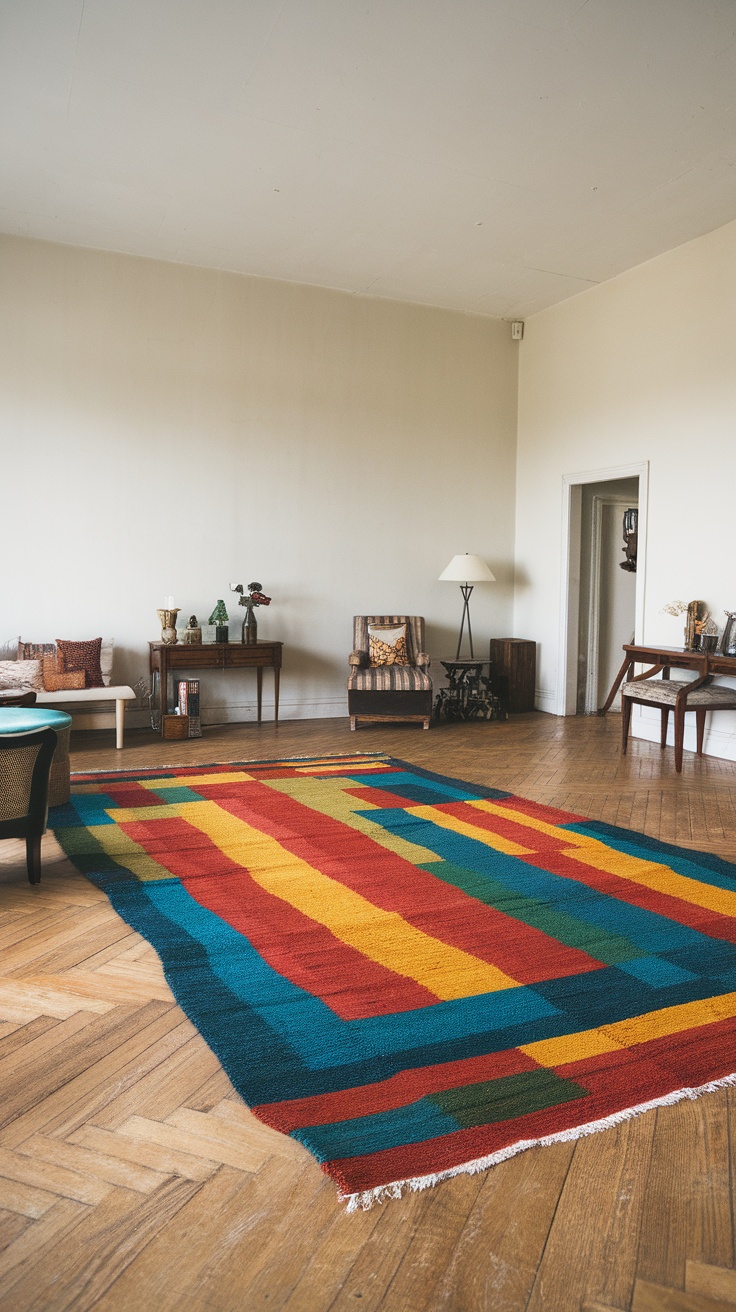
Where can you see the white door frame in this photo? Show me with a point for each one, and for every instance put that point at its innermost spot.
(592, 699)
(572, 486)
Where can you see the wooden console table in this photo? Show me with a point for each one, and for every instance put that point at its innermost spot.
(704, 663)
(165, 657)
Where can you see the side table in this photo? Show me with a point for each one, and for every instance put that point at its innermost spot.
(470, 694)
(516, 660)
(165, 657)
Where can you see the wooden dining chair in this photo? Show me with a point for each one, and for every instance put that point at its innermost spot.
(678, 696)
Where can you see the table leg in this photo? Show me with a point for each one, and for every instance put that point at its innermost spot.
(119, 722)
(163, 684)
(276, 681)
(259, 678)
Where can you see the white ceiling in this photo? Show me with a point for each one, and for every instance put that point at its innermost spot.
(493, 156)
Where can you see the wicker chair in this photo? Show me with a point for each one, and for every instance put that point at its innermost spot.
(389, 692)
(59, 779)
(25, 761)
(700, 696)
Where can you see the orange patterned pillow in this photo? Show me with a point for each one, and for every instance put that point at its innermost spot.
(387, 644)
(55, 680)
(81, 656)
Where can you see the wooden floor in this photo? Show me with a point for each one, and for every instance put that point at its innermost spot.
(133, 1178)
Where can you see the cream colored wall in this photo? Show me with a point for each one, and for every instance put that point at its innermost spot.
(166, 430)
(638, 369)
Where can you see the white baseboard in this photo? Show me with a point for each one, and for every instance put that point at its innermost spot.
(645, 723)
(246, 713)
(233, 713)
(545, 699)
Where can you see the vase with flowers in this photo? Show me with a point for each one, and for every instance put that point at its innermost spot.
(253, 597)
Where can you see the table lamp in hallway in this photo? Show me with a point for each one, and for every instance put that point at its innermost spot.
(466, 570)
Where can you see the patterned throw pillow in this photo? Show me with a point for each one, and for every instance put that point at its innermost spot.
(21, 675)
(80, 656)
(35, 651)
(387, 644)
(55, 680)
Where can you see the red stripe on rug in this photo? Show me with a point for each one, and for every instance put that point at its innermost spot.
(405, 1087)
(448, 1152)
(379, 797)
(691, 1058)
(511, 830)
(300, 949)
(550, 814)
(439, 909)
(129, 795)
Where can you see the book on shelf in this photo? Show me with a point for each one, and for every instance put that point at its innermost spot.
(187, 703)
(195, 723)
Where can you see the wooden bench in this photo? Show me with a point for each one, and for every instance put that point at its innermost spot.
(86, 697)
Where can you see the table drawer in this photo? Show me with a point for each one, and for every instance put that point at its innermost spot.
(250, 657)
(186, 656)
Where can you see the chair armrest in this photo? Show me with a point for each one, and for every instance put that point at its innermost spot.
(358, 658)
(422, 659)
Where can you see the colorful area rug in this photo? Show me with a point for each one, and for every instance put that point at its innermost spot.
(411, 975)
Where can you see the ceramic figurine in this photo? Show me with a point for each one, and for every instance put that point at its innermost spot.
(192, 633)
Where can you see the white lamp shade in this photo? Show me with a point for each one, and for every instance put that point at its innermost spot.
(467, 569)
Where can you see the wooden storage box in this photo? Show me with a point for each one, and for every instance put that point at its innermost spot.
(175, 726)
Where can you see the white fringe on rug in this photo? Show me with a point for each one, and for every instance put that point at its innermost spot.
(368, 1197)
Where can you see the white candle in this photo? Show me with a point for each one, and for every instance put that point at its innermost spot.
(169, 603)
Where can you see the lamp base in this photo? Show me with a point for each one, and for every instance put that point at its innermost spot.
(466, 589)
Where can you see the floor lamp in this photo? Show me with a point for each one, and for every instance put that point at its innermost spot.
(466, 570)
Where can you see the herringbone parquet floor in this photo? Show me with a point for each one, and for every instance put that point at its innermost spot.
(132, 1177)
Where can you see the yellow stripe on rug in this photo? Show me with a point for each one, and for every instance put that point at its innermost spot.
(332, 797)
(636, 1029)
(650, 874)
(382, 936)
(126, 852)
(487, 836)
(197, 780)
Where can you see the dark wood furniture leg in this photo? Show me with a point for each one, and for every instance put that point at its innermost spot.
(276, 683)
(163, 687)
(33, 858)
(625, 722)
(665, 720)
(628, 665)
(259, 692)
(679, 732)
(700, 715)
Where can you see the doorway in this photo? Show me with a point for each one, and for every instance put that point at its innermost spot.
(607, 611)
(599, 610)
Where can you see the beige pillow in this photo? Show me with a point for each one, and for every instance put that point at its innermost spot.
(387, 644)
(21, 675)
(106, 660)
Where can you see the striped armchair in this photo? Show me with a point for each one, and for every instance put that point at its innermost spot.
(389, 692)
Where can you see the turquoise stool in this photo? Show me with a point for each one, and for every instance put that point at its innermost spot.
(28, 737)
